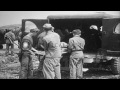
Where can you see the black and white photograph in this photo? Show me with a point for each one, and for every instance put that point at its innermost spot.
(59, 44)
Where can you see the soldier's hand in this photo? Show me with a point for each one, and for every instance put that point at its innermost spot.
(36, 52)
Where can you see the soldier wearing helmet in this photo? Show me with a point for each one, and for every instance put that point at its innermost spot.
(51, 43)
(76, 47)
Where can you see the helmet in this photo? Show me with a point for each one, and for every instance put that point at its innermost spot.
(48, 26)
(94, 27)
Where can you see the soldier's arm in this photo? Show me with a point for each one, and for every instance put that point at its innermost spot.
(34, 49)
(83, 43)
(45, 44)
(70, 45)
(40, 43)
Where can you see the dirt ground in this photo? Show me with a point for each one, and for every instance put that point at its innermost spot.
(10, 67)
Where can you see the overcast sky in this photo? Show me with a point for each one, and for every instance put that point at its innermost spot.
(15, 17)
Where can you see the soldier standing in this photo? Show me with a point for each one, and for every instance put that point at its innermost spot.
(26, 64)
(51, 66)
(76, 47)
(9, 40)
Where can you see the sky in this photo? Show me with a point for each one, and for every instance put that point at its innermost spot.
(15, 17)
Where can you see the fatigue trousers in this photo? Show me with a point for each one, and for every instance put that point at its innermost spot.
(26, 71)
(8, 48)
(76, 65)
(51, 68)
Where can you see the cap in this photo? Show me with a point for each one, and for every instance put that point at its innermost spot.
(48, 26)
(76, 31)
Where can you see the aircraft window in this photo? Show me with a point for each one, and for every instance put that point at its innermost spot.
(29, 25)
(117, 29)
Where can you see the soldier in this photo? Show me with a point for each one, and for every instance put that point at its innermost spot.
(9, 40)
(51, 42)
(26, 72)
(76, 47)
(41, 48)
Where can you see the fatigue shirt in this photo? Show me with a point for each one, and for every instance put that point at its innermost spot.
(76, 43)
(10, 35)
(52, 45)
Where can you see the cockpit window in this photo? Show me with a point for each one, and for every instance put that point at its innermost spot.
(117, 29)
(29, 25)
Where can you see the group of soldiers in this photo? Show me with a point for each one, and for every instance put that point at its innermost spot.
(50, 41)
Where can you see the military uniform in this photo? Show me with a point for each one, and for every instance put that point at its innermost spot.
(76, 46)
(26, 60)
(9, 40)
(26, 64)
(51, 66)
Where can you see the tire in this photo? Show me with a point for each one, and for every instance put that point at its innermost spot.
(115, 66)
(1, 46)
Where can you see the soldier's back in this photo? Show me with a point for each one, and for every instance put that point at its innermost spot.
(53, 41)
(78, 46)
